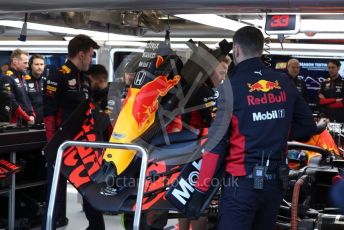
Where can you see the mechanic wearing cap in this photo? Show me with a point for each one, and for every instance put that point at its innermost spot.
(22, 111)
(293, 68)
(267, 110)
(35, 85)
(64, 90)
(331, 93)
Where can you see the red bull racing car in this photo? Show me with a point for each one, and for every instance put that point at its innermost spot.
(160, 90)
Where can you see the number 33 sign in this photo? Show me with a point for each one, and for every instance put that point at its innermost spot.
(282, 24)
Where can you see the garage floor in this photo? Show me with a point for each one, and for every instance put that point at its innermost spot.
(77, 219)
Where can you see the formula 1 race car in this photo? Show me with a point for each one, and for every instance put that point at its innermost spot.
(160, 91)
(315, 169)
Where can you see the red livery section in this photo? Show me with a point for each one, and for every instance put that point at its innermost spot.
(272, 85)
(255, 87)
(263, 86)
(84, 162)
(146, 100)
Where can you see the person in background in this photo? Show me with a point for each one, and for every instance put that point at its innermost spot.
(293, 68)
(98, 78)
(4, 68)
(205, 96)
(331, 93)
(5, 101)
(22, 110)
(64, 90)
(35, 85)
(129, 74)
(202, 119)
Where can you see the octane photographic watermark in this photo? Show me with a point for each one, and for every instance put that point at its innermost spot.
(130, 182)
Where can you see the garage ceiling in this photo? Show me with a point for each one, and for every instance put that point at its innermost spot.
(150, 18)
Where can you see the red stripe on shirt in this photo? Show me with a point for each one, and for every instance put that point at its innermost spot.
(235, 161)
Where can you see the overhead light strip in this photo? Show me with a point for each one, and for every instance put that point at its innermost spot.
(64, 30)
(99, 36)
(316, 36)
(172, 39)
(322, 26)
(304, 47)
(34, 43)
(213, 20)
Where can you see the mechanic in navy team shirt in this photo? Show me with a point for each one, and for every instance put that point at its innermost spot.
(331, 94)
(16, 78)
(64, 90)
(35, 85)
(293, 68)
(267, 110)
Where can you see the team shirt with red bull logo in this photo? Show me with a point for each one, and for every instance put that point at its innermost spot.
(333, 89)
(267, 108)
(300, 85)
(21, 104)
(64, 90)
(35, 92)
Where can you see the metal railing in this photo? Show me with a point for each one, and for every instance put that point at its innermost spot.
(57, 170)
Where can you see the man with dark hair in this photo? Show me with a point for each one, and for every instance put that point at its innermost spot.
(64, 90)
(331, 93)
(81, 43)
(68, 86)
(16, 76)
(98, 76)
(207, 96)
(98, 79)
(35, 85)
(266, 108)
(293, 68)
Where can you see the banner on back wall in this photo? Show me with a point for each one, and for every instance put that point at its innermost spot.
(313, 71)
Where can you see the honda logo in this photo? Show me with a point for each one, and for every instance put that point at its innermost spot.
(139, 78)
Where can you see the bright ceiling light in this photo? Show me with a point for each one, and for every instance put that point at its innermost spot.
(99, 36)
(172, 39)
(213, 20)
(317, 36)
(312, 50)
(303, 46)
(327, 26)
(143, 44)
(34, 43)
(64, 30)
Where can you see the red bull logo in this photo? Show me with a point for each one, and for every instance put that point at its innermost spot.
(263, 86)
(267, 98)
(146, 100)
